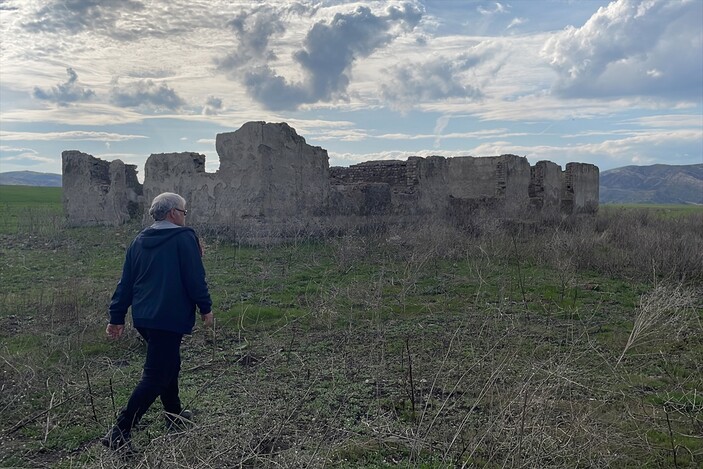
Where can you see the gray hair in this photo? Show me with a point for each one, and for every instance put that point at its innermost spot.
(164, 203)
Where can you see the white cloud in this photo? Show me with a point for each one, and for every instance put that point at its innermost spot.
(8, 149)
(694, 121)
(516, 22)
(328, 52)
(630, 47)
(146, 94)
(646, 146)
(434, 79)
(497, 8)
(28, 157)
(608, 153)
(121, 20)
(333, 69)
(74, 16)
(346, 135)
(213, 106)
(74, 135)
(65, 93)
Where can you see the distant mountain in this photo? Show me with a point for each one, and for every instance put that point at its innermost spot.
(656, 184)
(30, 178)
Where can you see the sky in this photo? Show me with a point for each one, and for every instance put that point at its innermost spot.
(609, 83)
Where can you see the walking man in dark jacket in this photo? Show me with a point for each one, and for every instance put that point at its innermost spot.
(163, 280)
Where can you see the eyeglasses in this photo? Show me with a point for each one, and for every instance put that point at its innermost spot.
(184, 212)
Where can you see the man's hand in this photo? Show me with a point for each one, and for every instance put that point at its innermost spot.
(114, 331)
(208, 319)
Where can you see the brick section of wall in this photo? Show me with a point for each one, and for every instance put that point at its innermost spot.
(501, 179)
(391, 172)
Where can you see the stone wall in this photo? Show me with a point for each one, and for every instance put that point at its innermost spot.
(267, 175)
(580, 192)
(97, 192)
(273, 172)
(270, 178)
(182, 173)
(546, 186)
(427, 185)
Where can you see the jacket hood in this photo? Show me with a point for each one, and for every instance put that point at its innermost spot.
(152, 238)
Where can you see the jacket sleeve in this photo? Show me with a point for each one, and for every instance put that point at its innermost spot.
(122, 298)
(191, 264)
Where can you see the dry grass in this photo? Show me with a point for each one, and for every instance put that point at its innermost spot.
(568, 343)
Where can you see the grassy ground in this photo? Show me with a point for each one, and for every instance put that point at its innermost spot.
(575, 344)
(664, 210)
(26, 208)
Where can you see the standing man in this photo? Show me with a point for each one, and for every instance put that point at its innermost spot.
(163, 279)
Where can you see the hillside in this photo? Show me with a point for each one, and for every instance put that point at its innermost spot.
(30, 178)
(656, 184)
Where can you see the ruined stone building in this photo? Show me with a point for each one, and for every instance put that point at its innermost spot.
(270, 178)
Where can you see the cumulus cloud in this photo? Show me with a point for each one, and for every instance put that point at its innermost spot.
(213, 106)
(326, 58)
(437, 78)
(253, 30)
(631, 47)
(146, 94)
(65, 93)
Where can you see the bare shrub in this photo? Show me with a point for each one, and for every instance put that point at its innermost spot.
(661, 312)
(637, 244)
(348, 251)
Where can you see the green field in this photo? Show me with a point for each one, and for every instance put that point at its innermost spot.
(657, 209)
(25, 208)
(568, 343)
(29, 196)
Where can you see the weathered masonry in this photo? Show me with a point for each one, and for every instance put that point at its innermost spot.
(97, 192)
(270, 178)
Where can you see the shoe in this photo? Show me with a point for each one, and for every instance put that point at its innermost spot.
(179, 422)
(116, 440)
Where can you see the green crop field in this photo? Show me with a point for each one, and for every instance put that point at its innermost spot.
(29, 196)
(661, 210)
(568, 343)
(36, 207)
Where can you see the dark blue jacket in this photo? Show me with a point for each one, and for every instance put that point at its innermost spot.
(163, 279)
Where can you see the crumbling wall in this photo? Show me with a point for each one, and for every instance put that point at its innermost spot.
(546, 185)
(384, 187)
(580, 193)
(97, 192)
(434, 185)
(267, 175)
(270, 177)
(391, 172)
(182, 173)
(273, 172)
(450, 183)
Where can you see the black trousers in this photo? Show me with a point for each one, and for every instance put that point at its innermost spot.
(159, 378)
